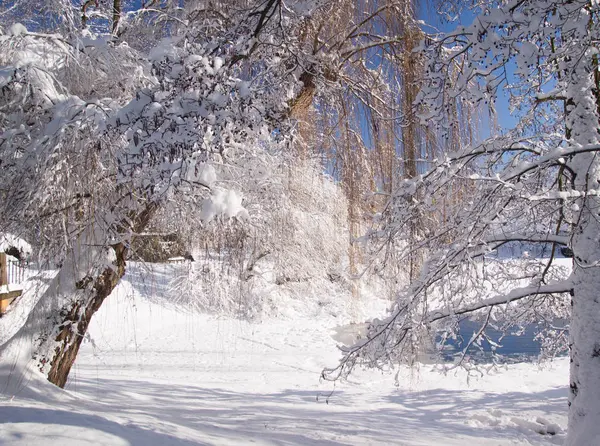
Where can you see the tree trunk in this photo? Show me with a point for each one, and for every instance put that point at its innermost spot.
(116, 16)
(52, 334)
(584, 392)
(77, 317)
(584, 395)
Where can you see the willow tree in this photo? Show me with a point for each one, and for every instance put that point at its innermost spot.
(363, 120)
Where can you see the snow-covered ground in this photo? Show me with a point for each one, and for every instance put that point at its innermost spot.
(152, 374)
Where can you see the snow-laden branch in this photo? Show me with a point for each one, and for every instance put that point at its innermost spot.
(372, 349)
(556, 156)
(534, 238)
(564, 286)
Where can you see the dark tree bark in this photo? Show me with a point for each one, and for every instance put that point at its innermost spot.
(116, 16)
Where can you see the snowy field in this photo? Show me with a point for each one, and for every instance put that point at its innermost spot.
(151, 374)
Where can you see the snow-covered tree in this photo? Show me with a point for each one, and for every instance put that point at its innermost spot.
(535, 185)
(293, 242)
(86, 170)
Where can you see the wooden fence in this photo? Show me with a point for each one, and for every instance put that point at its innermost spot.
(12, 275)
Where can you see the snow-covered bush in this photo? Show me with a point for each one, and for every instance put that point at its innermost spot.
(294, 241)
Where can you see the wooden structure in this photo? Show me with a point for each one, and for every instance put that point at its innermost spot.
(11, 276)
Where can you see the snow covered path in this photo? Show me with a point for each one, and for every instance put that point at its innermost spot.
(152, 375)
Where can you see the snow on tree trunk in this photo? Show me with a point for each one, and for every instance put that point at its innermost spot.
(584, 392)
(584, 396)
(75, 319)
